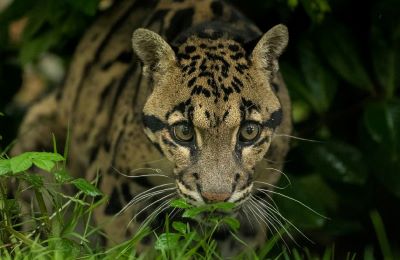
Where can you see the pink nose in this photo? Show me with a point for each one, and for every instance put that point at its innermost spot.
(215, 197)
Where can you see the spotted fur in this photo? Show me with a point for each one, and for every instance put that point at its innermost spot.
(203, 64)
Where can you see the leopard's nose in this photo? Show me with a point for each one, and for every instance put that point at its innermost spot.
(211, 197)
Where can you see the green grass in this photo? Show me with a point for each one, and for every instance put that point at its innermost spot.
(61, 227)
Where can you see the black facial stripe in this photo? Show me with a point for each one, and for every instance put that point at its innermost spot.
(153, 123)
(181, 107)
(275, 119)
(262, 141)
(185, 185)
(245, 195)
(248, 106)
(168, 142)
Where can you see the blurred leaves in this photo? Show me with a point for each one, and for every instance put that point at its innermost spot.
(50, 23)
(342, 68)
(310, 80)
(382, 142)
(342, 53)
(338, 162)
(313, 192)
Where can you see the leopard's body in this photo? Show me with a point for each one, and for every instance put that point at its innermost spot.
(216, 73)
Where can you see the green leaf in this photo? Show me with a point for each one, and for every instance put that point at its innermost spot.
(55, 157)
(180, 203)
(193, 212)
(86, 187)
(320, 82)
(62, 176)
(381, 143)
(179, 226)
(385, 45)
(20, 163)
(382, 121)
(43, 164)
(167, 241)
(223, 205)
(386, 62)
(312, 81)
(339, 162)
(342, 53)
(233, 223)
(4, 167)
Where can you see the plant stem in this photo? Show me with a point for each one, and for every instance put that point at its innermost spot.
(42, 207)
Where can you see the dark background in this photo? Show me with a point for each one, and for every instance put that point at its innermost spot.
(342, 68)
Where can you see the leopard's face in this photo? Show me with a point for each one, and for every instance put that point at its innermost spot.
(212, 111)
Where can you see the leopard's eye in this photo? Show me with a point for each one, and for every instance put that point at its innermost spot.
(183, 132)
(249, 132)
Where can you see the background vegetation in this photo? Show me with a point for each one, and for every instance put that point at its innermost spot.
(342, 68)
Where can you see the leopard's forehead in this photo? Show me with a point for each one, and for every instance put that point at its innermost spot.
(217, 83)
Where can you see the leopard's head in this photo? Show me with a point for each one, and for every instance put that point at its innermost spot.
(212, 111)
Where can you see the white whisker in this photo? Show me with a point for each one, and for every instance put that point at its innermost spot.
(265, 219)
(297, 138)
(151, 204)
(158, 173)
(158, 210)
(295, 200)
(289, 222)
(271, 185)
(266, 208)
(145, 193)
(281, 172)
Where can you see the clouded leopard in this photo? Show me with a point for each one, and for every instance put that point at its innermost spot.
(196, 92)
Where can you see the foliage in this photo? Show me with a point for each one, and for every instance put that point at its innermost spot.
(50, 24)
(341, 68)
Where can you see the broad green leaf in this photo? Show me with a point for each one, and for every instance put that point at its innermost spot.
(167, 241)
(180, 203)
(311, 81)
(382, 121)
(55, 157)
(43, 164)
(179, 226)
(320, 82)
(340, 50)
(385, 45)
(20, 163)
(86, 187)
(338, 161)
(386, 61)
(4, 167)
(223, 205)
(381, 142)
(193, 212)
(233, 223)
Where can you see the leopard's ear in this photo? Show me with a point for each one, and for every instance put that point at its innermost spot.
(268, 49)
(155, 53)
